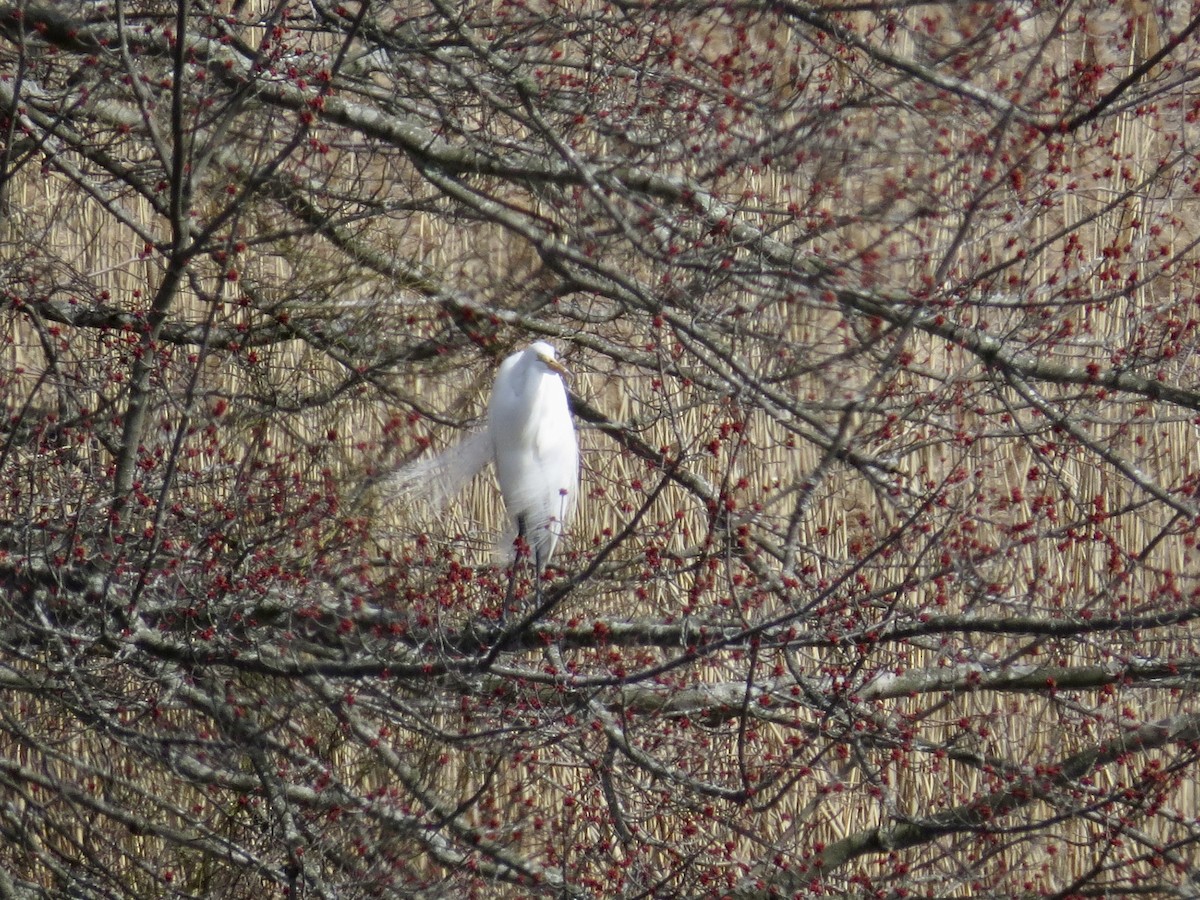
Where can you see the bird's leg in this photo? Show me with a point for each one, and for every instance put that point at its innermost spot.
(508, 595)
(518, 544)
(539, 572)
(539, 568)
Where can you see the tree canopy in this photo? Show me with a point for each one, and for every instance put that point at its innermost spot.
(883, 324)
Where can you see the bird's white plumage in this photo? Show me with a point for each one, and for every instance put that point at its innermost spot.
(531, 440)
(436, 480)
(534, 447)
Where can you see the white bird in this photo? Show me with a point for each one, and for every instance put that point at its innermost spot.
(534, 447)
(531, 440)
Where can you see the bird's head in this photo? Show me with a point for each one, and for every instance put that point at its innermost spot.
(549, 358)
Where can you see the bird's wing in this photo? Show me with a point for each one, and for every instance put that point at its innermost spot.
(437, 479)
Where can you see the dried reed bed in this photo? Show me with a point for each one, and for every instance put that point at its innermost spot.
(1163, 450)
(482, 261)
(998, 466)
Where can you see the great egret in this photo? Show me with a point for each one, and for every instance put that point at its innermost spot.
(531, 440)
(534, 447)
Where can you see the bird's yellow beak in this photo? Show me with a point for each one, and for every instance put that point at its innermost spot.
(554, 364)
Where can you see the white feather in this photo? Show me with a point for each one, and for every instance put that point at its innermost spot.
(436, 480)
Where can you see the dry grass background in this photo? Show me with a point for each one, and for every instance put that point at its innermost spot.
(484, 262)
